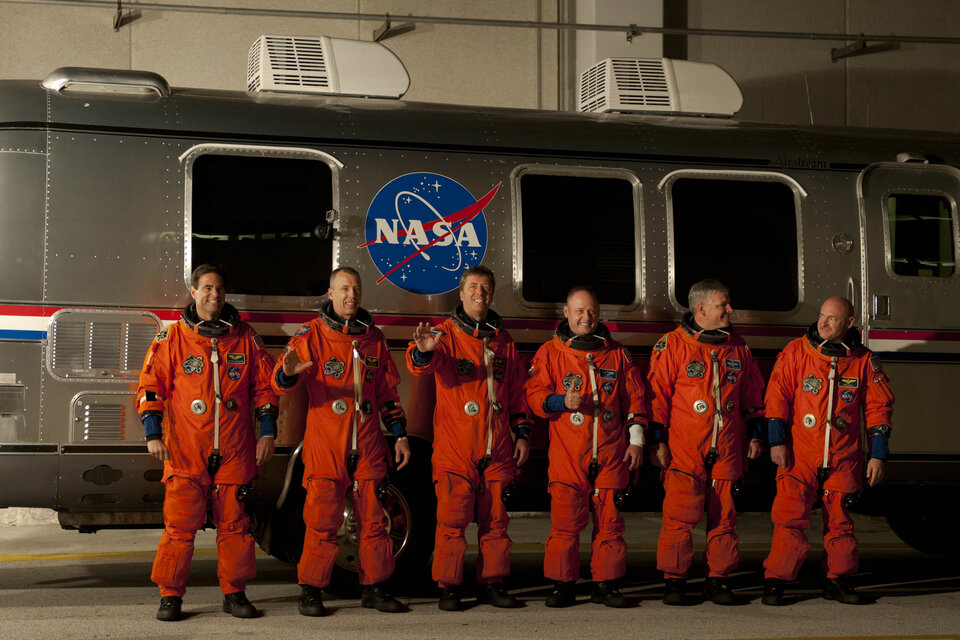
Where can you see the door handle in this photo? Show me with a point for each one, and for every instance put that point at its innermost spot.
(881, 306)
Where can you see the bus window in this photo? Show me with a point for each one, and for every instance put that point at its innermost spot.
(579, 230)
(256, 217)
(741, 232)
(921, 235)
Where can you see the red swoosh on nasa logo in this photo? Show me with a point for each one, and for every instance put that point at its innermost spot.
(472, 211)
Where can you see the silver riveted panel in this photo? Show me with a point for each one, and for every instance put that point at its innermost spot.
(198, 406)
(93, 244)
(471, 408)
(700, 406)
(22, 163)
(809, 421)
(576, 418)
(340, 406)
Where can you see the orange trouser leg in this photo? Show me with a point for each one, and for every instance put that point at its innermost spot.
(568, 517)
(323, 514)
(493, 563)
(455, 499)
(376, 546)
(791, 517)
(723, 545)
(236, 559)
(682, 510)
(184, 512)
(839, 544)
(609, 551)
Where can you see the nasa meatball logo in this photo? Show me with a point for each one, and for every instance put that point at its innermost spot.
(424, 229)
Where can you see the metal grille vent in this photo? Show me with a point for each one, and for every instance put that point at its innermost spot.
(96, 419)
(100, 344)
(292, 63)
(68, 340)
(593, 89)
(322, 65)
(657, 86)
(253, 60)
(104, 345)
(641, 82)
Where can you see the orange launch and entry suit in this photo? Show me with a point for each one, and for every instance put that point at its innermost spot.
(703, 383)
(595, 366)
(471, 428)
(178, 382)
(815, 382)
(351, 386)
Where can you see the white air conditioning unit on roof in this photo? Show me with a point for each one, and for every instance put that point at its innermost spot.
(324, 65)
(658, 85)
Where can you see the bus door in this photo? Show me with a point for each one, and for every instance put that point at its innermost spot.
(909, 217)
(911, 287)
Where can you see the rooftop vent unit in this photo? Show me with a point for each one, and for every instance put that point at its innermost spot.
(122, 81)
(658, 85)
(324, 65)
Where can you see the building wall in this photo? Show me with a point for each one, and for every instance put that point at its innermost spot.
(786, 81)
(797, 82)
(489, 66)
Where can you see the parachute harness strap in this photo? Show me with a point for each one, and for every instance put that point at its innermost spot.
(826, 435)
(594, 462)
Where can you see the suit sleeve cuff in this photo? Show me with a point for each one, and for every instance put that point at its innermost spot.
(554, 403)
(420, 358)
(151, 426)
(287, 382)
(398, 428)
(879, 446)
(268, 425)
(776, 431)
(656, 433)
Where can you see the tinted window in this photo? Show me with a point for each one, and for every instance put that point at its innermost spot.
(578, 231)
(921, 235)
(256, 216)
(743, 233)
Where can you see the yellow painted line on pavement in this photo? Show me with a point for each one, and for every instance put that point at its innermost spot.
(750, 546)
(947, 637)
(520, 547)
(102, 555)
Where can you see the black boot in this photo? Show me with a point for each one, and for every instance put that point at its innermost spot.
(773, 592)
(450, 599)
(718, 591)
(840, 590)
(562, 595)
(169, 610)
(376, 597)
(311, 601)
(608, 595)
(675, 591)
(237, 605)
(494, 593)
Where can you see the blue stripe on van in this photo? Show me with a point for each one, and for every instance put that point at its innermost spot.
(14, 334)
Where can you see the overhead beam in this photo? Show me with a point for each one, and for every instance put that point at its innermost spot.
(626, 29)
